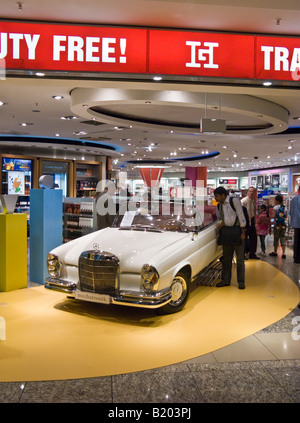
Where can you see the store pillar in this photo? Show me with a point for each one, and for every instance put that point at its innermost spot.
(195, 174)
(45, 229)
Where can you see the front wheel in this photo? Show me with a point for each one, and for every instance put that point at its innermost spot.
(180, 289)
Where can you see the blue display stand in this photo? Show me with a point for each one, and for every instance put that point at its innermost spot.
(45, 229)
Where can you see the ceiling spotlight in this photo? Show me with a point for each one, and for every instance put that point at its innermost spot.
(79, 133)
(157, 78)
(1, 103)
(26, 123)
(267, 83)
(57, 97)
(40, 74)
(68, 117)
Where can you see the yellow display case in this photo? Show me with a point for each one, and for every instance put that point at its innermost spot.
(13, 251)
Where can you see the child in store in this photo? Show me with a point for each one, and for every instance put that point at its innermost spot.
(263, 227)
(279, 226)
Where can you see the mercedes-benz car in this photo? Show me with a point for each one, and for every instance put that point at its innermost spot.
(148, 258)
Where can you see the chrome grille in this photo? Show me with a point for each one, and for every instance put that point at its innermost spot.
(98, 272)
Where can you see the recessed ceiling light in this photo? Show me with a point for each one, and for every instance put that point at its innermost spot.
(267, 83)
(79, 133)
(40, 74)
(57, 97)
(68, 117)
(1, 103)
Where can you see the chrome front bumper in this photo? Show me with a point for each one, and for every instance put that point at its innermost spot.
(129, 298)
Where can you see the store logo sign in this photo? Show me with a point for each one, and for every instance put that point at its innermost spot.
(202, 54)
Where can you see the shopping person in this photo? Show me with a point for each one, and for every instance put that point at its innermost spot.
(263, 227)
(230, 213)
(251, 236)
(295, 223)
(279, 226)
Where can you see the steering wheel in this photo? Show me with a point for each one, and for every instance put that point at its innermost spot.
(174, 225)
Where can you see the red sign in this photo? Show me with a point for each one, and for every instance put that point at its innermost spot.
(81, 48)
(151, 176)
(198, 53)
(73, 48)
(278, 58)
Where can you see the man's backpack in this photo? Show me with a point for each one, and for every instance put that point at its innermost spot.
(244, 211)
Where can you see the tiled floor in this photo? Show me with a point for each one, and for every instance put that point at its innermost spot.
(262, 368)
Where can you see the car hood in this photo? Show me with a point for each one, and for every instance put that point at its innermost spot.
(133, 248)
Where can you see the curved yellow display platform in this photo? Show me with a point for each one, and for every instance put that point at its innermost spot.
(50, 337)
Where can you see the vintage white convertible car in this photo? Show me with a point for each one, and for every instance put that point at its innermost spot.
(148, 258)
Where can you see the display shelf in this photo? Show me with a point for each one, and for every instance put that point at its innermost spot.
(79, 217)
(87, 178)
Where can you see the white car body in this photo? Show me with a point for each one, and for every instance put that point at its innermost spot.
(169, 253)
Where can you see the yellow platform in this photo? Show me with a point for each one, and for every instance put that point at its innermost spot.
(50, 337)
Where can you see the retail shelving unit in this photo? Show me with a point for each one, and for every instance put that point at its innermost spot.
(87, 177)
(79, 217)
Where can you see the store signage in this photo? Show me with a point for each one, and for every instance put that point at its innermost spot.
(197, 53)
(81, 48)
(277, 58)
(54, 167)
(72, 47)
(228, 181)
(16, 164)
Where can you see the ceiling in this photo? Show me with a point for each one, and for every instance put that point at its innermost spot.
(146, 125)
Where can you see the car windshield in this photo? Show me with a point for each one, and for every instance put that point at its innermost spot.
(160, 217)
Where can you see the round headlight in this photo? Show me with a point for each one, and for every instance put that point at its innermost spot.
(149, 277)
(53, 266)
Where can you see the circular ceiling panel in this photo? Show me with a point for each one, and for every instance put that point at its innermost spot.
(179, 111)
